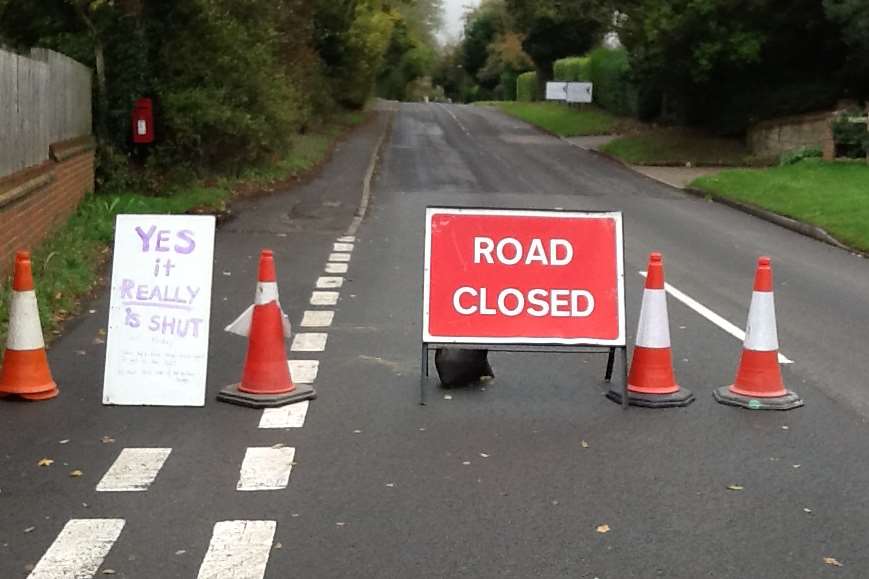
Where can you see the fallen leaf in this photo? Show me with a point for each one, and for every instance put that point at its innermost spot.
(421, 429)
(340, 524)
(76, 473)
(29, 529)
(785, 427)
(180, 551)
(484, 455)
(279, 546)
(45, 462)
(390, 485)
(357, 431)
(807, 510)
(466, 462)
(64, 441)
(107, 440)
(735, 487)
(279, 445)
(797, 466)
(832, 562)
(108, 571)
(101, 332)
(603, 529)
(584, 444)
(448, 396)
(81, 352)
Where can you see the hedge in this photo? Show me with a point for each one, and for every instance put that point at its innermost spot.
(572, 69)
(526, 87)
(610, 73)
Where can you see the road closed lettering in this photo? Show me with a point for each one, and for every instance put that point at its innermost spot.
(504, 276)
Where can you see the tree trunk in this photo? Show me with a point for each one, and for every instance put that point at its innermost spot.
(544, 75)
(102, 125)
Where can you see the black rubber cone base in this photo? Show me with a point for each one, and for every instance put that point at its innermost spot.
(789, 401)
(682, 397)
(233, 395)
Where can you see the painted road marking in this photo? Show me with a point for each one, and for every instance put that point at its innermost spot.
(347, 239)
(79, 549)
(719, 321)
(348, 247)
(317, 318)
(329, 282)
(134, 470)
(309, 342)
(303, 371)
(238, 550)
(336, 268)
(289, 416)
(324, 298)
(266, 468)
(342, 257)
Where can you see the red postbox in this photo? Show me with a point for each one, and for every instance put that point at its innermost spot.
(143, 121)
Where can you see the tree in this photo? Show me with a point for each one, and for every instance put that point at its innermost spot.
(853, 17)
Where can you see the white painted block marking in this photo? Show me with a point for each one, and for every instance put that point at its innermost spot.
(336, 268)
(134, 470)
(79, 549)
(324, 298)
(329, 282)
(266, 468)
(309, 342)
(719, 321)
(348, 247)
(340, 257)
(303, 371)
(238, 550)
(289, 416)
(317, 318)
(347, 239)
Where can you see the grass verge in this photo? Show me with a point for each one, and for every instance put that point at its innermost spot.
(561, 119)
(680, 147)
(67, 265)
(834, 196)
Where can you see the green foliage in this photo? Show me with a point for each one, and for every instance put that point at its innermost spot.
(680, 147)
(852, 139)
(853, 17)
(526, 87)
(795, 156)
(572, 69)
(610, 72)
(561, 119)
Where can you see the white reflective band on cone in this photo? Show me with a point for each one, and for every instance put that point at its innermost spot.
(760, 330)
(25, 333)
(654, 327)
(266, 292)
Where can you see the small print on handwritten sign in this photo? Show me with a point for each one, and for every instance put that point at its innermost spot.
(157, 346)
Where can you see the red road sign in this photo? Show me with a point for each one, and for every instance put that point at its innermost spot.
(499, 276)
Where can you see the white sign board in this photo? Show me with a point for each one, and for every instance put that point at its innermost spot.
(157, 345)
(579, 92)
(556, 91)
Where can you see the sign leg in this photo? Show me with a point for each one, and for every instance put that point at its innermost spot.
(423, 373)
(624, 350)
(611, 358)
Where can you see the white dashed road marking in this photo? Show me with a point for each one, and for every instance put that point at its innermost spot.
(309, 342)
(347, 239)
(289, 416)
(266, 468)
(324, 298)
(238, 550)
(303, 371)
(329, 282)
(719, 321)
(134, 470)
(342, 247)
(336, 268)
(79, 549)
(342, 257)
(317, 318)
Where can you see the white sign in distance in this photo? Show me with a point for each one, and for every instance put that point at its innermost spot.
(157, 344)
(556, 91)
(579, 92)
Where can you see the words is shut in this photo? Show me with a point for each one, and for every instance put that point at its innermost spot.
(523, 277)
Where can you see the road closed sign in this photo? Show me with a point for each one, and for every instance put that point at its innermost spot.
(498, 276)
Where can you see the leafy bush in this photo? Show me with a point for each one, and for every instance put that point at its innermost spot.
(795, 156)
(526, 87)
(852, 139)
(572, 69)
(610, 72)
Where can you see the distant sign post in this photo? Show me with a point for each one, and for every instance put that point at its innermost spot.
(579, 92)
(556, 91)
(523, 280)
(157, 344)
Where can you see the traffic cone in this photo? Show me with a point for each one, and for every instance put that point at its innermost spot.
(758, 383)
(651, 381)
(25, 369)
(265, 380)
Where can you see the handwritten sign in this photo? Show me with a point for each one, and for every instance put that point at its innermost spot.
(157, 345)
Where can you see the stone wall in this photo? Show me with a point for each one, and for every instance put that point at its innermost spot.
(775, 136)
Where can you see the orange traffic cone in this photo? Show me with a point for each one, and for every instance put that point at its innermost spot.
(265, 381)
(25, 369)
(759, 384)
(651, 381)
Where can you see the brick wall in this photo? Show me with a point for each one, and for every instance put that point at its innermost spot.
(773, 137)
(35, 201)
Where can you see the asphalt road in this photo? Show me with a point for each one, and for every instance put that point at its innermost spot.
(490, 481)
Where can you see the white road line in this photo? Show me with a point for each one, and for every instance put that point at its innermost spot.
(309, 342)
(324, 298)
(336, 268)
(342, 247)
(238, 550)
(341, 257)
(719, 321)
(266, 468)
(347, 239)
(289, 416)
(79, 549)
(303, 371)
(317, 318)
(134, 470)
(329, 282)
